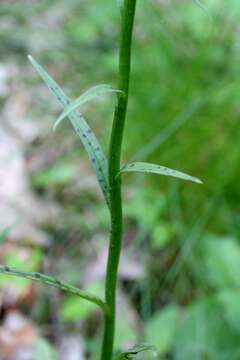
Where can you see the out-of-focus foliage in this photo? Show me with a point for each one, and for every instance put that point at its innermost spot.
(183, 113)
(44, 351)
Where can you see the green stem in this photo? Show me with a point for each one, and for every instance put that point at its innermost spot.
(127, 21)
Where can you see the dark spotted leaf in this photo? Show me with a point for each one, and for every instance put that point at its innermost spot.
(157, 169)
(52, 281)
(89, 95)
(89, 140)
(135, 350)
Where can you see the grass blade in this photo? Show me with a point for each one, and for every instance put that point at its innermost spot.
(157, 169)
(52, 281)
(89, 140)
(89, 95)
(194, 107)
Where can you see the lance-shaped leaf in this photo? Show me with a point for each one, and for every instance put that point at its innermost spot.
(89, 140)
(52, 281)
(157, 169)
(135, 350)
(89, 95)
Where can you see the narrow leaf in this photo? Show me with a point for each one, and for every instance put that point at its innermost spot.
(157, 169)
(135, 350)
(89, 140)
(52, 281)
(89, 95)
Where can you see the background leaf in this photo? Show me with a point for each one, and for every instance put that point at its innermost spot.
(219, 259)
(74, 308)
(43, 350)
(30, 265)
(204, 335)
(161, 328)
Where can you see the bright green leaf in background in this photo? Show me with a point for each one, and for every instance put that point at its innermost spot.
(162, 327)
(59, 174)
(31, 264)
(74, 308)
(219, 261)
(161, 235)
(210, 327)
(147, 210)
(204, 334)
(125, 333)
(146, 207)
(229, 303)
(44, 351)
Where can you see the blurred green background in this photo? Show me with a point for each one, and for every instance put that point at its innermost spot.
(179, 285)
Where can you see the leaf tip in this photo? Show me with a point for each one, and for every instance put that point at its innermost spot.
(30, 58)
(57, 122)
(54, 128)
(198, 181)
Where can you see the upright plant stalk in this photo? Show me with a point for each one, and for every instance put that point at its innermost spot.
(109, 181)
(127, 21)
